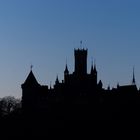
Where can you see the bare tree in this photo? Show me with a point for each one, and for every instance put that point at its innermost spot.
(8, 104)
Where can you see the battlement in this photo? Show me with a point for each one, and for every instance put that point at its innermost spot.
(81, 51)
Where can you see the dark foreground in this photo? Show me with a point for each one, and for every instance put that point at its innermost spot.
(72, 124)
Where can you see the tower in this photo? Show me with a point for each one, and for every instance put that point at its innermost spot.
(30, 90)
(80, 61)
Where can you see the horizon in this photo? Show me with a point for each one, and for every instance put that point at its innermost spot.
(44, 33)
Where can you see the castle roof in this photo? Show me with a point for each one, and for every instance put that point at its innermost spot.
(128, 88)
(31, 80)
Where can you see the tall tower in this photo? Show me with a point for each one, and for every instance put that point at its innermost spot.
(80, 61)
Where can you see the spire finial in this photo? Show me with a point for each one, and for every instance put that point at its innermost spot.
(92, 71)
(133, 81)
(57, 76)
(81, 42)
(66, 68)
(31, 67)
(93, 67)
(50, 84)
(118, 85)
(66, 60)
(57, 80)
(94, 62)
(91, 61)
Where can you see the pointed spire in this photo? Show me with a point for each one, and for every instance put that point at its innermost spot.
(95, 66)
(92, 69)
(133, 80)
(66, 69)
(118, 85)
(50, 84)
(31, 80)
(57, 80)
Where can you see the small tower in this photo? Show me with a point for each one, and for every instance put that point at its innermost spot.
(30, 89)
(133, 80)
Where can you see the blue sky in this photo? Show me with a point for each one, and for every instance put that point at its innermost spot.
(45, 32)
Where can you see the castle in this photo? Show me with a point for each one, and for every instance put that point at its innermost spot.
(79, 91)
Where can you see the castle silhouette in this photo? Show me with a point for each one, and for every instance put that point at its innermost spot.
(80, 95)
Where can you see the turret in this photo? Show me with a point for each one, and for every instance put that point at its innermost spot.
(30, 90)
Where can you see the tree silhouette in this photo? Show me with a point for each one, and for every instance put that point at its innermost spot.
(8, 104)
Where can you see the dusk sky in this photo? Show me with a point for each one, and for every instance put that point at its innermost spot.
(44, 33)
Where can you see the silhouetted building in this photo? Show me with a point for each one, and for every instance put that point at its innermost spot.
(79, 92)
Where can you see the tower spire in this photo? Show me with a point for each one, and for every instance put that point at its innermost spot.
(57, 80)
(133, 80)
(94, 64)
(92, 69)
(66, 68)
(81, 43)
(31, 80)
(31, 67)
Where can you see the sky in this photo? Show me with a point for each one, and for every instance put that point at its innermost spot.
(44, 33)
